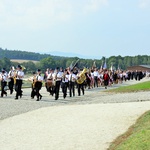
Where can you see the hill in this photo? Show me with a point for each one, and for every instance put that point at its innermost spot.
(17, 54)
(115, 62)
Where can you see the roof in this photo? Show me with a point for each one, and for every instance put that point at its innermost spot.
(146, 66)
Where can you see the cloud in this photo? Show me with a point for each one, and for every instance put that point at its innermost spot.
(37, 14)
(94, 5)
(144, 4)
(34, 13)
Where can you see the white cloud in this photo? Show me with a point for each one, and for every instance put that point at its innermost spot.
(44, 13)
(94, 5)
(34, 13)
(144, 4)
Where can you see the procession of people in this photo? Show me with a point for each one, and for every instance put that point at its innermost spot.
(71, 81)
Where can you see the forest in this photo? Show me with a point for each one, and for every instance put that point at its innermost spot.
(49, 61)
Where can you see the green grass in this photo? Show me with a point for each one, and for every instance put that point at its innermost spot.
(145, 86)
(136, 138)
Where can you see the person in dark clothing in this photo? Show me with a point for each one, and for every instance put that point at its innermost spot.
(33, 80)
(132, 75)
(136, 75)
(106, 78)
(80, 86)
(38, 84)
(3, 79)
(115, 77)
(88, 80)
(129, 75)
(140, 75)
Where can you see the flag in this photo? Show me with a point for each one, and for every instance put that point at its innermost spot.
(23, 68)
(94, 64)
(105, 65)
(111, 68)
(101, 66)
(118, 67)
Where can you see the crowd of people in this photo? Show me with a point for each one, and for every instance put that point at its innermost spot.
(68, 80)
(14, 79)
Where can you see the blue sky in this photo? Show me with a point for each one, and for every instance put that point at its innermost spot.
(89, 28)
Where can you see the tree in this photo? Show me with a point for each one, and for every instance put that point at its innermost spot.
(30, 66)
(5, 63)
(47, 63)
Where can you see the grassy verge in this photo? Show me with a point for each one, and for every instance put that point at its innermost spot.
(136, 138)
(145, 86)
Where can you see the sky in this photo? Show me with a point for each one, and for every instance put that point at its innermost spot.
(86, 28)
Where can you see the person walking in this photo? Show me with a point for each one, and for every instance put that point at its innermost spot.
(64, 83)
(80, 86)
(11, 79)
(58, 78)
(72, 80)
(3, 79)
(18, 86)
(38, 84)
(106, 78)
(95, 77)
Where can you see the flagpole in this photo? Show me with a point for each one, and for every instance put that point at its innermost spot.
(75, 64)
(102, 65)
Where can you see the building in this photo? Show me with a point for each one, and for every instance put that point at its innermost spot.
(145, 68)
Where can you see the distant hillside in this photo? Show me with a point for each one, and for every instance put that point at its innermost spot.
(71, 54)
(117, 62)
(17, 54)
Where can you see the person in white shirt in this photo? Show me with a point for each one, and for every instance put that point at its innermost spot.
(18, 85)
(3, 79)
(49, 83)
(64, 83)
(58, 78)
(11, 79)
(92, 78)
(96, 77)
(72, 80)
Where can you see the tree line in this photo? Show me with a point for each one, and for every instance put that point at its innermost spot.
(49, 61)
(18, 54)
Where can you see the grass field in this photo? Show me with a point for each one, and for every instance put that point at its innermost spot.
(21, 61)
(145, 86)
(136, 138)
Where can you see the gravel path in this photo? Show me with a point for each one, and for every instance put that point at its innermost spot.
(87, 122)
(10, 107)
